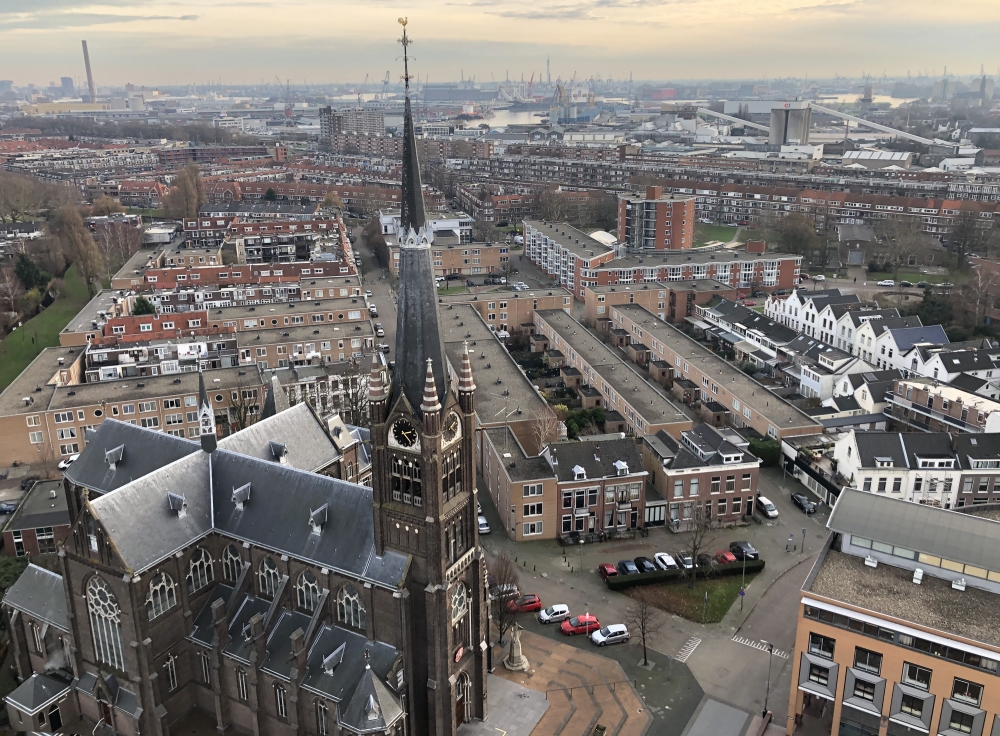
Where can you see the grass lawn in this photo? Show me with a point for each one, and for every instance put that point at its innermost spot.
(914, 277)
(42, 331)
(687, 602)
(704, 233)
(452, 290)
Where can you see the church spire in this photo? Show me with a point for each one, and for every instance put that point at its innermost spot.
(206, 416)
(418, 333)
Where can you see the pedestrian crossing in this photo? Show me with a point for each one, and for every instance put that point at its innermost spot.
(758, 645)
(688, 649)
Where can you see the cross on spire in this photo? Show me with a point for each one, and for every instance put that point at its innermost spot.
(405, 40)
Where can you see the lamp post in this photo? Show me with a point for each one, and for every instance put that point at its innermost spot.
(767, 691)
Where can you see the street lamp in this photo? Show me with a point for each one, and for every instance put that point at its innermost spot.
(767, 692)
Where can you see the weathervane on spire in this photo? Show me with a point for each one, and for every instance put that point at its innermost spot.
(405, 40)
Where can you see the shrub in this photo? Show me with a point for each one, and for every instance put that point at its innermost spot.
(620, 582)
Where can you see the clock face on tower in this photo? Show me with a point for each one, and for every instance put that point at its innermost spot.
(404, 433)
(452, 427)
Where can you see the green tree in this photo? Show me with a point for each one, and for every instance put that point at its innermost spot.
(935, 309)
(797, 235)
(769, 451)
(29, 274)
(142, 305)
(270, 196)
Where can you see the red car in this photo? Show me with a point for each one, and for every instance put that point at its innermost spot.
(724, 556)
(607, 570)
(580, 624)
(525, 604)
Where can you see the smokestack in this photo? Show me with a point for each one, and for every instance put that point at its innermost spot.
(90, 75)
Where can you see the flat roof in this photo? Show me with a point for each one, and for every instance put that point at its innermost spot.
(246, 311)
(460, 324)
(525, 467)
(702, 285)
(777, 411)
(305, 333)
(971, 614)
(695, 256)
(570, 238)
(103, 301)
(503, 292)
(935, 531)
(651, 402)
(40, 508)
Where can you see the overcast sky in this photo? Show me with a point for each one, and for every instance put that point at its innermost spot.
(149, 42)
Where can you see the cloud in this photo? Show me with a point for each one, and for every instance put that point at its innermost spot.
(49, 21)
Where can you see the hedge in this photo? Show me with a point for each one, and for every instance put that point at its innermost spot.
(620, 582)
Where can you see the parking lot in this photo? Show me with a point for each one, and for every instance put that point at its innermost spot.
(731, 670)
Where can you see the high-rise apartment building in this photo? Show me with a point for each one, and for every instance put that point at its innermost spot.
(355, 120)
(656, 221)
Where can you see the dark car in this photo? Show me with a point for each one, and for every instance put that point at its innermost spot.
(743, 551)
(905, 284)
(922, 284)
(470, 282)
(759, 294)
(779, 292)
(704, 559)
(803, 503)
(8, 507)
(27, 482)
(645, 564)
(627, 567)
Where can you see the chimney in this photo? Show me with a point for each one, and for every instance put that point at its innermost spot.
(654, 192)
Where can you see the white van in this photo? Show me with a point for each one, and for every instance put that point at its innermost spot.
(766, 507)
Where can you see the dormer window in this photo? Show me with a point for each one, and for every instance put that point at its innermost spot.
(241, 496)
(579, 473)
(318, 518)
(177, 504)
(334, 658)
(621, 467)
(883, 462)
(114, 456)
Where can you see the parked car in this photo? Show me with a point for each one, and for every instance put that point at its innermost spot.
(627, 567)
(26, 483)
(743, 550)
(704, 559)
(665, 561)
(580, 624)
(946, 285)
(803, 503)
(525, 604)
(906, 284)
(886, 282)
(767, 508)
(613, 634)
(8, 507)
(383, 347)
(749, 304)
(521, 286)
(759, 294)
(607, 570)
(553, 614)
(470, 282)
(923, 284)
(484, 526)
(368, 292)
(63, 464)
(819, 277)
(379, 331)
(779, 292)
(684, 560)
(645, 564)
(724, 556)
(804, 277)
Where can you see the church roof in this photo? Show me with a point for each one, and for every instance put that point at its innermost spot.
(298, 431)
(40, 594)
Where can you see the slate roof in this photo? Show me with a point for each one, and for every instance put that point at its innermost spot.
(906, 337)
(968, 382)
(902, 447)
(571, 454)
(966, 360)
(738, 314)
(145, 451)
(859, 379)
(939, 532)
(39, 593)
(976, 447)
(895, 323)
(279, 658)
(858, 317)
(36, 692)
(307, 445)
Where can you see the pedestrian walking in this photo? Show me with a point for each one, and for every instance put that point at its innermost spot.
(855, 279)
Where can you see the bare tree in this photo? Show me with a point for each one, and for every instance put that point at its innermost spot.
(981, 286)
(544, 429)
(243, 406)
(643, 617)
(550, 206)
(187, 195)
(117, 242)
(104, 206)
(70, 228)
(10, 289)
(698, 535)
(19, 195)
(504, 580)
(352, 398)
(901, 240)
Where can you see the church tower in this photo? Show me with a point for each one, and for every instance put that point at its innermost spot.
(423, 432)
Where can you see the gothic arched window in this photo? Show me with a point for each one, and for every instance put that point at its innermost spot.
(307, 590)
(459, 602)
(269, 576)
(105, 623)
(199, 570)
(161, 596)
(349, 608)
(232, 563)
